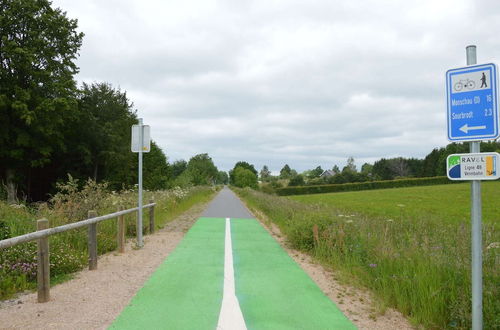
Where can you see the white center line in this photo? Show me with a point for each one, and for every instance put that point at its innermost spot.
(230, 317)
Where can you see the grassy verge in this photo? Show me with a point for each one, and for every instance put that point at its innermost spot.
(414, 261)
(68, 251)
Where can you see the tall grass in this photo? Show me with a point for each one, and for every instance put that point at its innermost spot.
(68, 251)
(417, 264)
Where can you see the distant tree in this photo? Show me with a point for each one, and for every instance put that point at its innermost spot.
(297, 180)
(351, 166)
(382, 170)
(316, 172)
(244, 178)
(202, 170)
(178, 167)
(399, 167)
(335, 169)
(286, 172)
(429, 167)
(265, 173)
(222, 178)
(241, 164)
(38, 49)
(366, 168)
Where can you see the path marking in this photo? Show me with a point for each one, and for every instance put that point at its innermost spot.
(230, 317)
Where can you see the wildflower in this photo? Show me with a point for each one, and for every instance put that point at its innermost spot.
(373, 265)
(389, 220)
(494, 245)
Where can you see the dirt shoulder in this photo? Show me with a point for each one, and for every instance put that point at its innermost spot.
(93, 299)
(355, 303)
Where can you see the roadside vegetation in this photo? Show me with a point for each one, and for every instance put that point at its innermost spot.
(409, 246)
(68, 251)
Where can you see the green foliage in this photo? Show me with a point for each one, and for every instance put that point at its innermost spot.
(297, 180)
(244, 165)
(265, 173)
(244, 178)
(4, 230)
(222, 178)
(178, 167)
(409, 258)
(38, 47)
(156, 170)
(286, 172)
(202, 170)
(303, 190)
(68, 251)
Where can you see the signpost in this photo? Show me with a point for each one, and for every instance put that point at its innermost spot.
(472, 103)
(141, 142)
(472, 109)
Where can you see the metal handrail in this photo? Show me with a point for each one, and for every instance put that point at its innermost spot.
(51, 231)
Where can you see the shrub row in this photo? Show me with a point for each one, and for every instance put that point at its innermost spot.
(328, 188)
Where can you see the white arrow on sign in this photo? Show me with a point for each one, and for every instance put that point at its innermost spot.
(466, 128)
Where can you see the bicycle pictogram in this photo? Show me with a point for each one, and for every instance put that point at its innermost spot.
(464, 84)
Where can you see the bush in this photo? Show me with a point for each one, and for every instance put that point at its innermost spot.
(320, 189)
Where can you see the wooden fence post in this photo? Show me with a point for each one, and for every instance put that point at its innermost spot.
(121, 231)
(92, 242)
(43, 273)
(151, 217)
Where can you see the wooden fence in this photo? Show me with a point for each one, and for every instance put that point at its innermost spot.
(43, 232)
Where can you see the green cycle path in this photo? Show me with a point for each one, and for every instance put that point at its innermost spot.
(273, 292)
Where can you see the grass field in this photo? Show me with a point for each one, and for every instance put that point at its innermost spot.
(409, 246)
(443, 202)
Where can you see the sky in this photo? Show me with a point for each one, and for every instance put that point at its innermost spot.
(275, 82)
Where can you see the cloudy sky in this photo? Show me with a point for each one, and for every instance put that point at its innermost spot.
(271, 82)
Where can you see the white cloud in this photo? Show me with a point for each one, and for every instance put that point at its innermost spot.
(275, 82)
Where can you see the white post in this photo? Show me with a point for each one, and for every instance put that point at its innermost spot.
(476, 235)
(139, 212)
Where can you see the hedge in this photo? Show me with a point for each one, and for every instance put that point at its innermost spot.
(328, 188)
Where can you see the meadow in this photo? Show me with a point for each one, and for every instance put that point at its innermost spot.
(409, 246)
(68, 251)
(443, 202)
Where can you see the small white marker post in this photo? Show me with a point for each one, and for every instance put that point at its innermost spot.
(141, 142)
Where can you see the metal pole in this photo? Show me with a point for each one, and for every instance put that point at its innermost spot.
(139, 212)
(477, 244)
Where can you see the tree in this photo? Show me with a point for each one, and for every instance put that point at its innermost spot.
(335, 169)
(178, 167)
(297, 180)
(351, 166)
(104, 133)
(156, 171)
(38, 48)
(202, 170)
(222, 178)
(382, 170)
(265, 173)
(286, 172)
(366, 168)
(316, 172)
(244, 178)
(241, 164)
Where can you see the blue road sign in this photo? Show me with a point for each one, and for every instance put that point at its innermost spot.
(472, 103)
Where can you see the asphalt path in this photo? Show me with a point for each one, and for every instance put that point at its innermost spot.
(227, 205)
